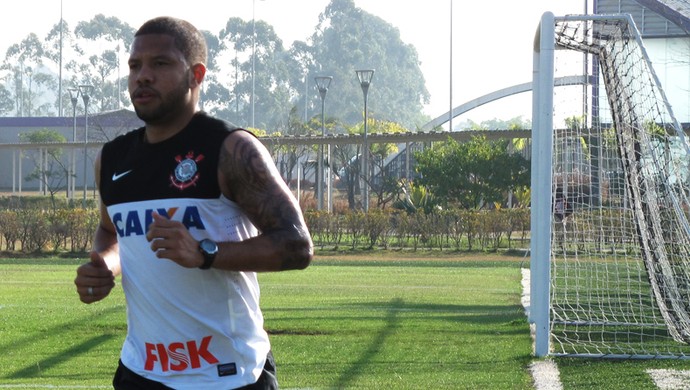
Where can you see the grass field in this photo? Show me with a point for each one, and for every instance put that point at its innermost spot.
(393, 321)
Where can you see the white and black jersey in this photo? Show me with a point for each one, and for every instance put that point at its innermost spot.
(187, 328)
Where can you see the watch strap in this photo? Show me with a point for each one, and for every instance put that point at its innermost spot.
(209, 257)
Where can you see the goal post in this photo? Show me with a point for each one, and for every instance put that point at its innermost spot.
(542, 139)
(610, 250)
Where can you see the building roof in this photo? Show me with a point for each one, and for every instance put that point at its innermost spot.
(654, 18)
(677, 11)
(118, 118)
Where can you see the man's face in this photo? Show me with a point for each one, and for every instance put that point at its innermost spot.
(159, 79)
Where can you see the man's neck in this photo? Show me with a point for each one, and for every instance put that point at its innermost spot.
(155, 132)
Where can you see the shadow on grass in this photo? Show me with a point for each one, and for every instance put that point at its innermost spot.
(55, 332)
(392, 322)
(389, 323)
(52, 361)
(468, 314)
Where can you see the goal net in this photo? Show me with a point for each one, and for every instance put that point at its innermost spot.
(610, 228)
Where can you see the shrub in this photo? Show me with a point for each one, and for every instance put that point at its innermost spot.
(9, 228)
(30, 225)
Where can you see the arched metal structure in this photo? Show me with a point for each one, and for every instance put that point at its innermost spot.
(500, 94)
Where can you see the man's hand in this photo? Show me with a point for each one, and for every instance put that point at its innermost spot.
(94, 280)
(171, 240)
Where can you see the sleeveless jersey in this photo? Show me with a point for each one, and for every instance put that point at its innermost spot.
(186, 328)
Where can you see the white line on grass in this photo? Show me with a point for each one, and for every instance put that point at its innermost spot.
(545, 374)
(670, 379)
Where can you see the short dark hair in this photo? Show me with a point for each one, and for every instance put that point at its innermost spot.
(188, 39)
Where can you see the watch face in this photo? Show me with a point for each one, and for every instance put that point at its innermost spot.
(208, 246)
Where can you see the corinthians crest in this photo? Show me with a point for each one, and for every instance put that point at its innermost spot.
(186, 173)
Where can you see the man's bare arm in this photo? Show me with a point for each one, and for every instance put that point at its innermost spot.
(96, 278)
(248, 176)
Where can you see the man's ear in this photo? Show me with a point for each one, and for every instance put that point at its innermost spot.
(198, 73)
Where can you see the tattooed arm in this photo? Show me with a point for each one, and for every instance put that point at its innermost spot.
(248, 176)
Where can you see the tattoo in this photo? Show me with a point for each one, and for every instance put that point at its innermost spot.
(256, 185)
(299, 254)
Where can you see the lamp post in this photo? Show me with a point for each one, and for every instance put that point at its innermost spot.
(73, 97)
(29, 72)
(450, 111)
(253, 58)
(365, 77)
(85, 91)
(322, 84)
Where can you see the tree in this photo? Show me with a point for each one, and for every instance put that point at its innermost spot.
(259, 72)
(49, 168)
(347, 164)
(20, 61)
(347, 168)
(473, 173)
(290, 156)
(113, 35)
(55, 45)
(6, 101)
(213, 89)
(517, 123)
(384, 187)
(416, 198)
(348, 38)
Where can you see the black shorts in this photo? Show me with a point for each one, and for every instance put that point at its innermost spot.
(126, 379)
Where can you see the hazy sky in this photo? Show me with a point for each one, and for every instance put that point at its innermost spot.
(492, 39)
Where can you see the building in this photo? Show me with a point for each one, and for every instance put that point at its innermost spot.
(22, 157)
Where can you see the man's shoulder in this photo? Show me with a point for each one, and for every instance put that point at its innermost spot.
(208, 121)
(126, 138)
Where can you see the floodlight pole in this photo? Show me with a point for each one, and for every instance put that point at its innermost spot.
(365, 77)
(85, 95)
(253, 61)
(71, 178)
(322, 84)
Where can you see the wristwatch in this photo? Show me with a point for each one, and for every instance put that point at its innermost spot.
(209, 249)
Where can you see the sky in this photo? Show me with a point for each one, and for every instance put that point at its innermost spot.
(491, 39)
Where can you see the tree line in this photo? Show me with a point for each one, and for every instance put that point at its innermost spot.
(247, 62)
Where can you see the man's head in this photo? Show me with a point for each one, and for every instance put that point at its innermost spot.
(187, 38)
(166, 68)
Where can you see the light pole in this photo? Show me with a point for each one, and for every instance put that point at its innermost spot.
(85, 91)
(29, 72)
(253, 57)
(73, 97)
(365, 77)
(450, 112)
(322, 84)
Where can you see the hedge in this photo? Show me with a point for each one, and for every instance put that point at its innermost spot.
(36, 225)
(459, 230)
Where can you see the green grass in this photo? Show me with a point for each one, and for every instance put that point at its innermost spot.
(338, 324)
(371, 322)
(405, 325)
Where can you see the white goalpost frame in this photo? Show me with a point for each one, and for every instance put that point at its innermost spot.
(542, 140)
(655, 260)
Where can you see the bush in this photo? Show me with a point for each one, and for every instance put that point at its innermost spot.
(10, 229)
(31, 225)
(34, 229)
